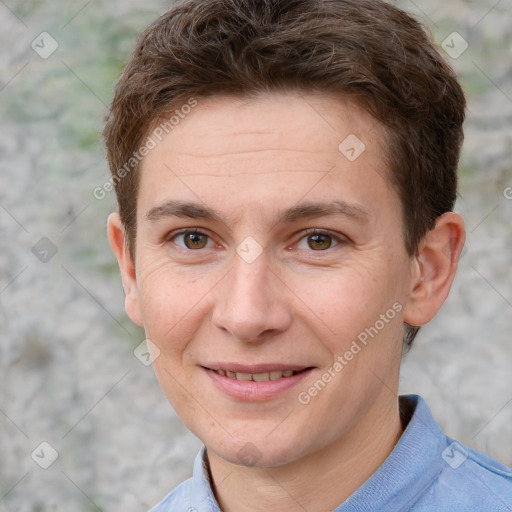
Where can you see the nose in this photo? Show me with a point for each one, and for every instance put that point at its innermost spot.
(251, 304)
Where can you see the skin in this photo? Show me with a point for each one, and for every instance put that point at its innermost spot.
(301, 301)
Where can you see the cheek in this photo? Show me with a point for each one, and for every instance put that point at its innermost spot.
(349, 299)
(169, 303)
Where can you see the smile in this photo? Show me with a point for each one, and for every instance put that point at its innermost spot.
(255, 383)
(257, 377)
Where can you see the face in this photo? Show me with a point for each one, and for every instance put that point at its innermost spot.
(271, 274)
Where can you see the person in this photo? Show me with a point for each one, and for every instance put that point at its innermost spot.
(286, 172)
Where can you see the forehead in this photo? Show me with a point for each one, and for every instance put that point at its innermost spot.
(261, 152)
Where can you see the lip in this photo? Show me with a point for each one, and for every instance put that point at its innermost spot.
(254, 391)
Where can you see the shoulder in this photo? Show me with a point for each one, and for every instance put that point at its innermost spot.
(443, 474)
(469, 480)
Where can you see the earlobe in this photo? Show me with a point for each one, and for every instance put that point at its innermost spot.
(435, 266)
(116, 236)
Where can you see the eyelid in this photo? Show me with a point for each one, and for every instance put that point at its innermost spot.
(338, 238)
(319, 231)
(192, 230)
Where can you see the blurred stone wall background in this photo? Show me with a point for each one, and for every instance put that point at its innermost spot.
(68, 375)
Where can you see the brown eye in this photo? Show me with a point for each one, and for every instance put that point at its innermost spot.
(195, 240)
(191, 240)
(319, 242)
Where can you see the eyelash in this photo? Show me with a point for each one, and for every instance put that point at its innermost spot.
(313, 231)
(194, 231)
(308, 232)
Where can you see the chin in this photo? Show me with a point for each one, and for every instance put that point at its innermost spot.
(258, 452)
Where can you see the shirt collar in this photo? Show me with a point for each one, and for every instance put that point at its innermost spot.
(411, 467)
(202, 498)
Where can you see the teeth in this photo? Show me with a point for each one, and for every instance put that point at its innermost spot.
(258, 377)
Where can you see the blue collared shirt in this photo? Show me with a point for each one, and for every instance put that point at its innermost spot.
(427, 471)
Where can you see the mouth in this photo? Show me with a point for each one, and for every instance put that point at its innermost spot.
(258, 377)
(256, 382)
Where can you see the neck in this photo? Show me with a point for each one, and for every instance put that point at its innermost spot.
(317, 482)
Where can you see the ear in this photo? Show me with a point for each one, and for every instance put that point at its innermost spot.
(434, 269)
(116, 237)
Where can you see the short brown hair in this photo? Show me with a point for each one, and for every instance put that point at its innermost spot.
(366, 50)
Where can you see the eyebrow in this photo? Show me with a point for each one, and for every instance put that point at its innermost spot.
(182, 209)
(298, 212)
(311, 210)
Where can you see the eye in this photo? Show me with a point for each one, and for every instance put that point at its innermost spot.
(318, 241)
(191, 240)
